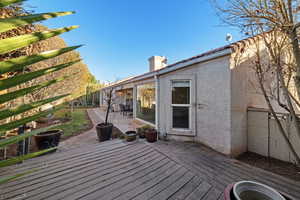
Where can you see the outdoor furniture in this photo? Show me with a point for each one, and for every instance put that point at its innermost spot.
(125, 109)
(129, 109)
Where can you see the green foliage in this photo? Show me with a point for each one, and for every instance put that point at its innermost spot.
(17, 80)
(17, 42)
(19, 159)
(14, 22)
(9, 178)
(13, 95)
(78, 121)
(17, 123)
(4, 3)
(19, 63)
(14, 43)
(15, 139)
(23, 108)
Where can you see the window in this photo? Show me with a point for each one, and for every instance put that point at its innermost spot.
(145, 102)
(181, 104)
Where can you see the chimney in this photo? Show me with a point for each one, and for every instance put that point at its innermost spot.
(157, 62)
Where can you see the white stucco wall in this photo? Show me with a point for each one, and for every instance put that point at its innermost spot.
(213, 127)
(239, 103)
(245, 93)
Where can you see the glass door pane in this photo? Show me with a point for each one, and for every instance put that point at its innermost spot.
(181, 117)
(181, 104)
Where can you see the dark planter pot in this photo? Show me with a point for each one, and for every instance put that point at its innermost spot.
(151, 136)
(228, 193)
(48, 139)
(130, 136)
(141, 133)
(104, 131)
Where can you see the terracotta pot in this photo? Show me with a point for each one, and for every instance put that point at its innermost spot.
(104, 131)
(151, 135)
(48, 139)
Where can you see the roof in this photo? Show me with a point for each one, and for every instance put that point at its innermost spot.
(228, 49)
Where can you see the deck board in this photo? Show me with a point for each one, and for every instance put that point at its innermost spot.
(186, 189)
(138, 171)
(199, 192)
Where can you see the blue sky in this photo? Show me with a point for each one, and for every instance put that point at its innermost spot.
(120, 35)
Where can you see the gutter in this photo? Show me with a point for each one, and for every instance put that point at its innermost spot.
(177, 66)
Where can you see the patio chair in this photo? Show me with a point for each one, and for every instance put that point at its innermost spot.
(122, 109)
(128, 110)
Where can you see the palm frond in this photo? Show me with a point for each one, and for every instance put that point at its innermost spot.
(17, 42)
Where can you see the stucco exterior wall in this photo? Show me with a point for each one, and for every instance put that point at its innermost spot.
(212, 105)
(245, 93)
(239, 103)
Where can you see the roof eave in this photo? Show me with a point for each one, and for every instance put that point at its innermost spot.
(176, 66)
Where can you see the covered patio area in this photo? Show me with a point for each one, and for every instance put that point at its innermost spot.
(122, 122)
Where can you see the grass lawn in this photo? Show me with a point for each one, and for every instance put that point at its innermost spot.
(78, 122)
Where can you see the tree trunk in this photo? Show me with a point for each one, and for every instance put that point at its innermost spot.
(281, 129)
(296, 53)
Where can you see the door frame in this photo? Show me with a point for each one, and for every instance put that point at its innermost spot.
(192, 110)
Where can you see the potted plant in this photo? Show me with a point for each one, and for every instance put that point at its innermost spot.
(151, 135)
(244, 190)
(130, 136)
(142, 130)
(48, 139)
(104, 130)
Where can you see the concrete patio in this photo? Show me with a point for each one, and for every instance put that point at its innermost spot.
(122, 122)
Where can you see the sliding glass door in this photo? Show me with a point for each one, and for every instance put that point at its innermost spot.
(145, 102)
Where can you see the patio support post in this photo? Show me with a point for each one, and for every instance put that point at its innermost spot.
(157, 103)
(100, 98)
(134, 101)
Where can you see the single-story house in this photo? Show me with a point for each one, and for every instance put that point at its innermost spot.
(203, 99)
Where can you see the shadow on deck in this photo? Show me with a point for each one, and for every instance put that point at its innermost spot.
(138, 170)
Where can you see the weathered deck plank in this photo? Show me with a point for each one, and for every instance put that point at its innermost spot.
(62, 180)
(219, 170)
(138, 171)
(173, 188)
(131, 182)
(199, 192)
(186, 189)
(157, 188)
(53, 170)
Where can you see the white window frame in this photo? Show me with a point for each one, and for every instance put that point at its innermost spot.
(182, 105)
(139, 119)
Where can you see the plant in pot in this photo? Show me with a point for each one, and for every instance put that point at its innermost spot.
(151, 134)
(141, 131)
(249, 190)
(130, 136)
(48, 139)
(104, 130)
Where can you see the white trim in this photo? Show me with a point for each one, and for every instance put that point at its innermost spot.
(157, 103)
(181, 132)
(145, 122)
(167, 69)
(189, 106)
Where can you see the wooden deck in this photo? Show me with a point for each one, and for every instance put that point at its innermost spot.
(138, 170)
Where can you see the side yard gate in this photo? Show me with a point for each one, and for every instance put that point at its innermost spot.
(264, 137)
